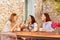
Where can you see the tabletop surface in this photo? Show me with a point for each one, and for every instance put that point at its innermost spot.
(39, 34)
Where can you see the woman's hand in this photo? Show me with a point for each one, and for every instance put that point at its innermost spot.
(27, 22)
(13, 28)
(22, 26)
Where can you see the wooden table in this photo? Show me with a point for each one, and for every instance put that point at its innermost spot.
(38, 34)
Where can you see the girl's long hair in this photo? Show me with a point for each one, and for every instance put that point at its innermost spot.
(33, 19)
(47, 17)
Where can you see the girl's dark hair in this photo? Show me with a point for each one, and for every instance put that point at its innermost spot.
(33, 19)
(47, 17)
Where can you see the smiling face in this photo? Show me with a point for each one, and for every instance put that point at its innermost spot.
(43, 17)
(15, 18)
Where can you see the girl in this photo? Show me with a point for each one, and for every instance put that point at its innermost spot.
(10, 25)
(31, 23)
(47, 22)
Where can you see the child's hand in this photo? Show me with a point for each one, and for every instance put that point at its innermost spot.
(27, 21)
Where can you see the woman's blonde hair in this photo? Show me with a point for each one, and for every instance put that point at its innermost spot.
(12, 17)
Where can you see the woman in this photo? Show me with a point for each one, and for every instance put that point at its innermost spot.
(47, 25)
(10, 25)
(31, 23)
(47, 22)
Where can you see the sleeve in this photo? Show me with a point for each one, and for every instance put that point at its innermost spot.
(48, 26)
(35, 27)
(52, 29)
(6, 27)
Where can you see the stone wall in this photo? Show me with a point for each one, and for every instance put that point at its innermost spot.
(16, 6)
(50, 7)
(10, 6)
(47, 6)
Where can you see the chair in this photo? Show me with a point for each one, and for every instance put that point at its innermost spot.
(7, 36)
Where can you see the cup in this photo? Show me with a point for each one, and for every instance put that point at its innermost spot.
(40, 29)
(56, 31)
(18, 29)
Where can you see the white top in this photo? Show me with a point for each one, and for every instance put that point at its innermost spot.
(34, 26)
(6, 27)
(47, 26)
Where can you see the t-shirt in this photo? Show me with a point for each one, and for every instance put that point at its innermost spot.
(34, 26)
(47, 26)
(6, 27)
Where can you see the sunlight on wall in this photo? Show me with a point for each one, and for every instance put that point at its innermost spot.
(7, 7)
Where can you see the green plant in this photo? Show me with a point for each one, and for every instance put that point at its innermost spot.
(57, 1)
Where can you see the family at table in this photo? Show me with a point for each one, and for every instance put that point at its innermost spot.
(30, 24)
